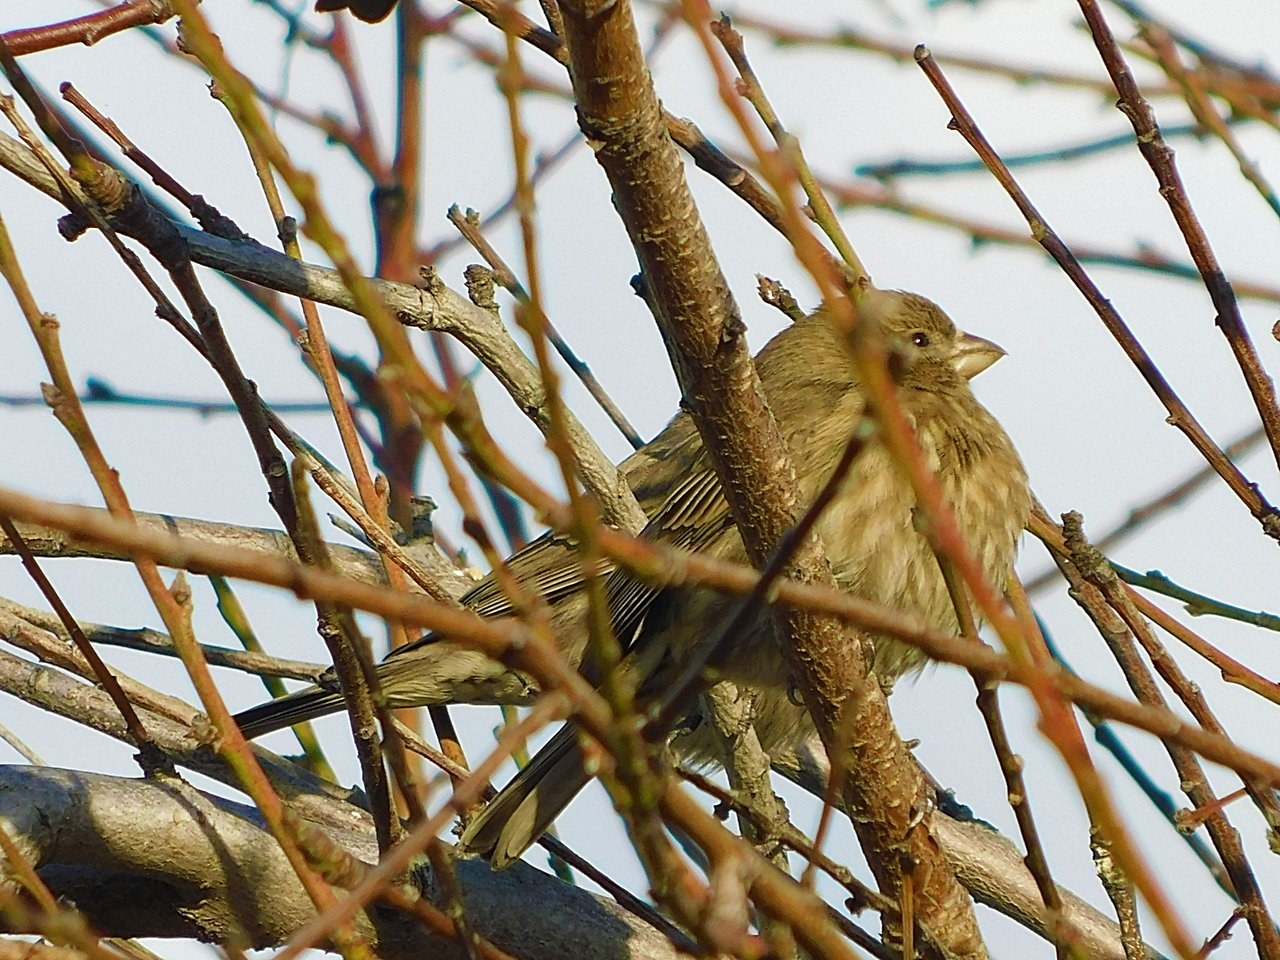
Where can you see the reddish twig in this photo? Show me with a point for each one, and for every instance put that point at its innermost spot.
(1222, 935)
(1102, 595)
(1160, 158)
(88, 29)
(152, 758)
(1179, 416)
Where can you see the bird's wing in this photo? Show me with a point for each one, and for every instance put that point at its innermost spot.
(694, 514)
(548, 567)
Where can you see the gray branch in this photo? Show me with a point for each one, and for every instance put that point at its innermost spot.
(433, 306)
(989, 866)
(14, 617)
(150, 858)
(351, 562)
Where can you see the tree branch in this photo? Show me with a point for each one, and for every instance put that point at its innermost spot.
(162, 859)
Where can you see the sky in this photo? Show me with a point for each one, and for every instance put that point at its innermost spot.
(1093, 436)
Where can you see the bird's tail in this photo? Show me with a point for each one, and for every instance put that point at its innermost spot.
(523, 810)
(286, 711)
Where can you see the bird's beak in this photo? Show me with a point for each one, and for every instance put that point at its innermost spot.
(974, 354)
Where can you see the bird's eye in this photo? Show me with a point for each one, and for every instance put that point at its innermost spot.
(920, 338)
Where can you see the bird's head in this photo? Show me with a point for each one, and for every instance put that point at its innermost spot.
(934, 350)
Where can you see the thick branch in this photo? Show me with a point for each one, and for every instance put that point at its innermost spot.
(357, 564)
(162, 859)
(619, 114)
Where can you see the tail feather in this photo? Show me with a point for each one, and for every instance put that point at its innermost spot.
(294, 708)
(523, 810)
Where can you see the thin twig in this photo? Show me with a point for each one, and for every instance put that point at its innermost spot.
(1196, 604)
(1221, 935)
(1160, 157)
(819, 207)
(1102, 596)
(151, 757)
(1011, 767)
(1179, 416)
(469, 227)
(905, 167)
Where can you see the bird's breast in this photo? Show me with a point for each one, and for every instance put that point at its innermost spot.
(871, 533)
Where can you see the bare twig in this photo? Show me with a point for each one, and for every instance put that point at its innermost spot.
(1160, 157)
(469, 227)
(152, 758)
(1092, 581)
(1179, 416)
(88, 29)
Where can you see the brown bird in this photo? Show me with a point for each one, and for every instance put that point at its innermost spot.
(875, 550)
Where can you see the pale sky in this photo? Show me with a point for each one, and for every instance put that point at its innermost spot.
(1092, 435)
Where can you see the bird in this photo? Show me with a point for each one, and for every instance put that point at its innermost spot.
(869, 531)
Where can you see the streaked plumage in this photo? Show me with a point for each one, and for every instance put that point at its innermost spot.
(868, 531)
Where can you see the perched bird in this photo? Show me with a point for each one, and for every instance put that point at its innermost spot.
(875, 550)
